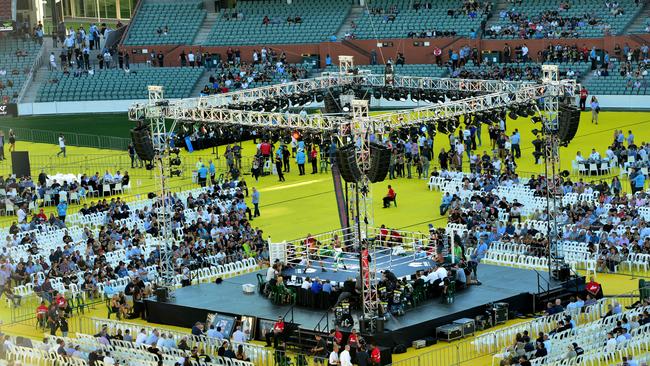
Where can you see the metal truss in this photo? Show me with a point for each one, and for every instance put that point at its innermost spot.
(489, 95)
(550, 119)
(361, 130)
(155, 112)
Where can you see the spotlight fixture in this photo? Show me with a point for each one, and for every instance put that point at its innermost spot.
(536, 119)
(565, 173)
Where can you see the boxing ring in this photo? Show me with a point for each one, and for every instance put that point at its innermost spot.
(332, 255)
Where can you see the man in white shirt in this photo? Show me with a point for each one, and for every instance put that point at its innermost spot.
(142, 337)
(108, 360)
(431, 277)
(108, 178)
(594, 155)
(306, 284)
(441, 272)
(61, 145)
(345, 358)
(334, 356)
(239, 336)
(610, 344)
(579, 157)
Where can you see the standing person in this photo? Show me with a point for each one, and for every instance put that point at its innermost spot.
(300, 160)
(213, 172)
(334, 356)
(345, 358)
(255, 198)
(583, 98)
(278, 165)
(515, 139)
(12, 140)
(132, 153)
(524, 53)
(375, 355)
(61, 209)
(53, 62)
(2, 145)
(203, 175)
(313, 156)
(61, 145)
(595, 109)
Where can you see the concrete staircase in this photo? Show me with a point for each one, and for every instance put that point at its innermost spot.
(206, 28)
(41, 74)
(496, 9)
(639, 21)
(354, 14)
(200, 84)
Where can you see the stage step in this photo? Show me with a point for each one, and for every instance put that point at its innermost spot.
(303, 340)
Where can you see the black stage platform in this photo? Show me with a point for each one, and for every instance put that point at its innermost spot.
(500, 284)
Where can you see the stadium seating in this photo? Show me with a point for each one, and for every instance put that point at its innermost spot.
(182, 19)
(408, 19)
(615, 84)
(13, 68)
(320, 19)
(532, 9)
(117, 84)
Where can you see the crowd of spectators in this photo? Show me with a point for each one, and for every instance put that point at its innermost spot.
(548, 24)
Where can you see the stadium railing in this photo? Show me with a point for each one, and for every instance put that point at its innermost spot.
(71, 139)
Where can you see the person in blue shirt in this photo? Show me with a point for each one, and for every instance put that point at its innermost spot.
(446, 202)
(316, 287)
(213, 171)
(515, 139)
(256, 202)
(203, 175)
(61, 209)
(301, 158)
(639, 182)
(327, 287)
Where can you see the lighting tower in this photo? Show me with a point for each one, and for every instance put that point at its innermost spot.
(551, 126)
(155, 113)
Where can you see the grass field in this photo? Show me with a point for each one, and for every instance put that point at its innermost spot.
(306, 204)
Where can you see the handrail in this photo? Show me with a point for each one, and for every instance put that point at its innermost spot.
(38, 61)
(289, 312)
(326, 328)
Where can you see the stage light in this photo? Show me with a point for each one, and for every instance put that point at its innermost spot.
(565, 173)
(346, 108)
(320, 97)
(149, 166)
(513, 115)
(536, 119)
(175, 161)
(416, 95)
(535, 132)
(175, 172)
(296, 135)
(377, 93)
(423, 129)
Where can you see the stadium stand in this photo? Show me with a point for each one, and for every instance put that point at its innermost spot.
(118, 84)
(621, 78)
(273, 22)
(561, 19)
(16, 60)
(396, 19)
(158, 23)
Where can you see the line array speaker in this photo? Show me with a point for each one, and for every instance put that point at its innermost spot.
(141, 137)
(347, 163)
(569, 120)
(379, 162)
